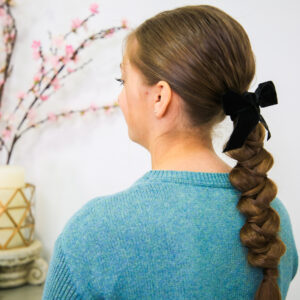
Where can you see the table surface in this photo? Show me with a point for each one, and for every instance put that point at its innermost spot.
(25, 292)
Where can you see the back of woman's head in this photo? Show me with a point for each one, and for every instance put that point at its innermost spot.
(202, 52)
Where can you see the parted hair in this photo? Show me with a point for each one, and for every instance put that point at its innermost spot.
(201, 52)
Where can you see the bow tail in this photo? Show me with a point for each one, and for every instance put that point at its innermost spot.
(262, 120)
(244, 123)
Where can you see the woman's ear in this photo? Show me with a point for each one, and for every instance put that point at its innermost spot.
(163, 98)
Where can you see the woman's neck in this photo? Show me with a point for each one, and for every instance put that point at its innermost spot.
(188, 158)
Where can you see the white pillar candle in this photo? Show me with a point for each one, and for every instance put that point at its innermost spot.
(11, 178)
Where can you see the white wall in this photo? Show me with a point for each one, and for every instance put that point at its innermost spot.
(84, 157)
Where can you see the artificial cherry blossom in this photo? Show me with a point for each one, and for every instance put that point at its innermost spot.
(55, 83)
(69, 50)
(51, 117)
(124, 23)
(6, 133)
(44, 97)
(2, 12)
(76, 23)
(21, 95)
(36, 45)
(94, 8)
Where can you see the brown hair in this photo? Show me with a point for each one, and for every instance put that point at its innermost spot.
(202, 52)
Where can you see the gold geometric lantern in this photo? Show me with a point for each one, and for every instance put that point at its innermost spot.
(20, 261)
(17, 216)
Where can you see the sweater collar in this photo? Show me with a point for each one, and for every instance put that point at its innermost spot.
(197, 178)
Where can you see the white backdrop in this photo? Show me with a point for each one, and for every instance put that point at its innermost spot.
(79, 158)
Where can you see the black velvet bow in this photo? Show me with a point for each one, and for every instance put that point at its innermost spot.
(245, 112)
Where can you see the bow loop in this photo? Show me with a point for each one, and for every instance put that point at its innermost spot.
(266, 94)
(244, 110)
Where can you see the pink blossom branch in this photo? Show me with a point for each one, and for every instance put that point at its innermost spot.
(42, 68)
(82, 23)
(15, 139)
(42, 81)
(12, 35)
(65, 76)
(66, 113)
(3, 144)
(76, 69)
(37, 97)
(55, 116)
(99, 35)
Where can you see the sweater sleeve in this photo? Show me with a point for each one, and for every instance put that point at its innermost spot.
(59, 285)
(295, 264)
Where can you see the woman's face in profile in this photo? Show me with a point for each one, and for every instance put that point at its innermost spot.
(135, 102)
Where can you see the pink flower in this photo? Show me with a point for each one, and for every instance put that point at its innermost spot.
(21, 95)
(93, 107)
(69, 50)
(2, 12)
(36, 45)
(70, 70)
(6, 133)
(51, 117)
(94, 8)
(76, 23)
(55, 83)
(37, 77)
(124, 23)
(44, 97)
(65, 60)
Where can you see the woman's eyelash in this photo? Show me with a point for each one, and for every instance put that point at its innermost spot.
(121, 80)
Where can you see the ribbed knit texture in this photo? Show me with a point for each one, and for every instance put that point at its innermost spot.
(59, 284)
(170, 235)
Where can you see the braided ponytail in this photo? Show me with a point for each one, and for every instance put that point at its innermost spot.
(260, 232)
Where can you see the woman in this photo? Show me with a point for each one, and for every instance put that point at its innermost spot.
(192, 227)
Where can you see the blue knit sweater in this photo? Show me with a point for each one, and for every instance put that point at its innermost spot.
(170, 235)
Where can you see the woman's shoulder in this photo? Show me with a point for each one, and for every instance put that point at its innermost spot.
(97, 214)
